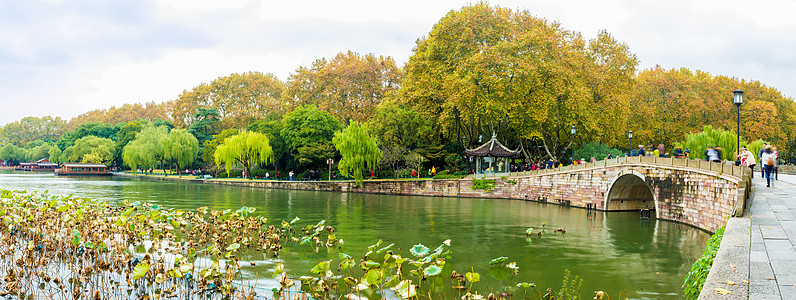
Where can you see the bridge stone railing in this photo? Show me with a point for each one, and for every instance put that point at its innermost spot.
(725, 168)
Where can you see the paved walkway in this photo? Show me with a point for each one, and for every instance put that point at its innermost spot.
(757, 252)
(772, 257)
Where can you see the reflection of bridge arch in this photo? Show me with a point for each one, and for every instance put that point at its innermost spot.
(629, 191)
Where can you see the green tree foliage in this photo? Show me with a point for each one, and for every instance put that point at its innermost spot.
(349, 86)
(210, 146)
(359, 149)
(239, 99)
(307, 132)
(147, 148)
(597, 150)
(93, 149)
(12, 154)
(272, 129)
(716, 137)
(55, 155)
(395, 124)
(205, 125)
(247, 149)
(31, 129)
(181, 147)
(92, 128)
(126, 134)
(38, 152)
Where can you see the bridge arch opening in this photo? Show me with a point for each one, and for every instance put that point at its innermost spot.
(629, 192)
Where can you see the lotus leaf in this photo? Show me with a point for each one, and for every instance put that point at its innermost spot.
(374, 276)
(186, 267)
(75, 237)
(498, 260)
(233, 247)
(525, 285)
(140, 270)
(473, 277)
(432, 270)
(370, 265)
(419, 250)
(405, 289)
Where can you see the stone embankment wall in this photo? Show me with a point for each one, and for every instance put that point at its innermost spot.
(694, 196)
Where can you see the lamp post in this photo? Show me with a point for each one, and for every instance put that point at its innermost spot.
(572, 131)
(630, 136)
(737, 99)
(330, 162)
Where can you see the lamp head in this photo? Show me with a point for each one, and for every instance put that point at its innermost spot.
(737, 98)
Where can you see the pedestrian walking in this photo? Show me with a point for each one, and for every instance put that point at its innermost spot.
(760, 156)
(767, 159)
(641, 151)
(713, 155)
(776, 162)
(747, 159)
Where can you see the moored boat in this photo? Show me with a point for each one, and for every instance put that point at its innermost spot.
(71, 169)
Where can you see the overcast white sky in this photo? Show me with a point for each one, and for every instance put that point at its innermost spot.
(66, 57)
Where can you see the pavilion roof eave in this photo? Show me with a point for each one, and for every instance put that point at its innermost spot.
(492, 148)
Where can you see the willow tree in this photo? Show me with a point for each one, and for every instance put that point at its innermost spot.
(146, 148)
(247, 149)
(359, 149)
(181, 147)
(135, 154)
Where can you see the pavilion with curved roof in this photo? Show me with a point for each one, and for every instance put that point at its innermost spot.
(492, 151)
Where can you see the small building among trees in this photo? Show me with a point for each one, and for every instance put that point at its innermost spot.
(492, 152)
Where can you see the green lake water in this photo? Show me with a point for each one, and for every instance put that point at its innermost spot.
(614, 252)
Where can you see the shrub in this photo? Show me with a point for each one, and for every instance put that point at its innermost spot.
(695, 279)
(484, 184)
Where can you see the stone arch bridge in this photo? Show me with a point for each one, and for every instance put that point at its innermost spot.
(694, 192)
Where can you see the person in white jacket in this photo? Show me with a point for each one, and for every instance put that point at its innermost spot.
(767, 160)
(747, 159)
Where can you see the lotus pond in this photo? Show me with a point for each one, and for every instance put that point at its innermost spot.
(258, 242)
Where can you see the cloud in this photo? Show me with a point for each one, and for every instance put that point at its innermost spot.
(67, 57)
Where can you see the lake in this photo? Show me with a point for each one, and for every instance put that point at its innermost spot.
(615, 252)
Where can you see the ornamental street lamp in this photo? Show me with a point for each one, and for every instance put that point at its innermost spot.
(737, 99)
(572, 131)
(630, 136)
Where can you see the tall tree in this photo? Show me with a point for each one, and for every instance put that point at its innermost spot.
(247, 149)
(307, 132)
(359, 149)
(147, 148)
(210, 146)
(485, 70)
(149, 111)
(239, 99)
(55, 155)
(181, 148)
(11, 154)
(93, 149)
(126, 134)
(349, 86)
(31, 129)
